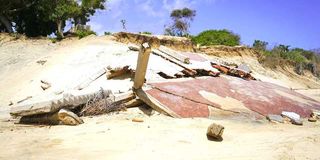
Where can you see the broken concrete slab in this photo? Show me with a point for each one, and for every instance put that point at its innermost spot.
(191, 98)
(275, 118)
(52, 105)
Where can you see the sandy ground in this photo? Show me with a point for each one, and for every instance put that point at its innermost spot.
(116, 136)
(159, 137)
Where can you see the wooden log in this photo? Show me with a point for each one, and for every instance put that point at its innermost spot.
(174, 54)
(142, 64)
(154, 103)
(90, 79)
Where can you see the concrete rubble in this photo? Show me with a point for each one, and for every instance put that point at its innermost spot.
(181, 84)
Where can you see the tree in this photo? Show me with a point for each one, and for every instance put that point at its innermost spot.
(9, 8)
(123, 23)
(217, 37)
(181, 22)
(43, 17)
(260, 45)
(87, 9)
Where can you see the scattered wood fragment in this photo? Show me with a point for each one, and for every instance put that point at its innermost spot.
(164, 75)
(137, 120)
(45, 85)
(119, 71)
(24, 99)
(90, 79)
(133, 47)
(133, 103)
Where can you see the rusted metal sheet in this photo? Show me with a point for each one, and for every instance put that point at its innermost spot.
(191, 98)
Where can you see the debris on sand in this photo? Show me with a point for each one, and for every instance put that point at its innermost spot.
(62, 117)
(275, 118)
(45, 85)
(294, 117)
(29, 97)
(215, 132)
(137, 120)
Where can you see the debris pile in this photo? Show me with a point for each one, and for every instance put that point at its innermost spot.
(241, 71)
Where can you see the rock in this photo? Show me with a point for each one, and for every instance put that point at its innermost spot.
(275, 118)
(69, 118)
(137, 120)
(312, 119)
(294, 117)
(297, 122)
(215, 132)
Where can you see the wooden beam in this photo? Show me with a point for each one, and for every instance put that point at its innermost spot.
(174, 54)
(189, 72)
(142, 65)
(155, 104)
(90, 79)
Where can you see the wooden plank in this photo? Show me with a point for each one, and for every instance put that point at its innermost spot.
(189, 72)
(142, 64)
(155, 104)
(90, 79)
(174, 54)
(133, 103)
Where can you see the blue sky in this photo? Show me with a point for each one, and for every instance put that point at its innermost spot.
(291, 22)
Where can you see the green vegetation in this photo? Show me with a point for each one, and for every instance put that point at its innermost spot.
(145, 32)
(107, 33)
(42, 17)
(181, 22)
(84, 33)
(282, 54)
(217, 37)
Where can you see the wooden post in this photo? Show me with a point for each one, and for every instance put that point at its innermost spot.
(142, 65)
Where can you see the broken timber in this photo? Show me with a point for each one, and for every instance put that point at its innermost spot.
(139, 79)
(187, 71)
(142, 64)
(89, 80)
(174, 54)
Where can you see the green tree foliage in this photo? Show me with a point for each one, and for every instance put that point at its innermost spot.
(260, 45)
(43, 17)
(217, 37)
(87, 9)
(181, 22)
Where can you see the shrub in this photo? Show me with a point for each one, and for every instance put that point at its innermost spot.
(145, 32)
(107, 33)
(217, 37)
(84, 33)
